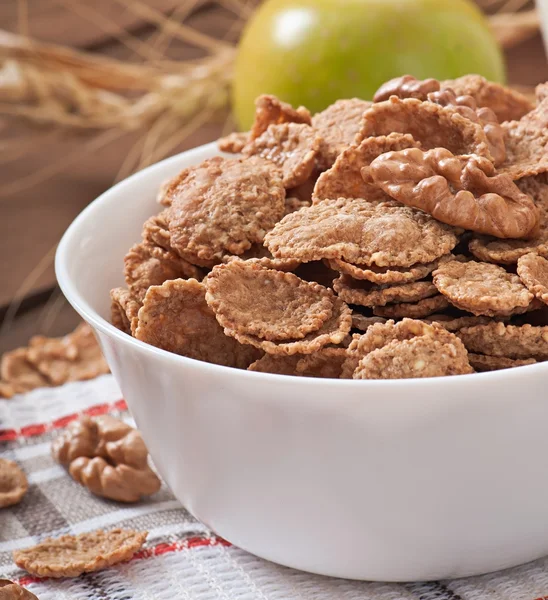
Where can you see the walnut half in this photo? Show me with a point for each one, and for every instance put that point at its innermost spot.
(467, 107)
(107, 456)
(460, 191)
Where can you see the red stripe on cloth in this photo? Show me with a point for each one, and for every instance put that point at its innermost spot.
(158, 550)
(120, 404)
(32, 430)
(9, 435)
(64, 421)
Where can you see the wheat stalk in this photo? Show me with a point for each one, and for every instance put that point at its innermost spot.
(56, 85)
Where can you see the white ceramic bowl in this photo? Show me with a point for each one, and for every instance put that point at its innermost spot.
(542, 7)
(382, 480)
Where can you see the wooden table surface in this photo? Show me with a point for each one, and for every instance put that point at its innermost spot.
(33, 218)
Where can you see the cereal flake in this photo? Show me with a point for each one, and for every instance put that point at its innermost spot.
(176, 318)
(265, 303)
(292, 204)
(482, 288)
(533, 272)
(13, 483)
(453, 324)
(385, 275)
(419, 357)
(385, 335)
(365, 293)
(155, 231)
(361, 232)
(146, 265)
(234, 142)
(363, 323)
(338, 125)
(412, 310)
(72, 555)
(332, 332)
(223, 206)
(293, 147)
(124, 309)
(527, 144)
(326, 363)
(482, 362)
(261, 256)
(270, 110)
(511, 341)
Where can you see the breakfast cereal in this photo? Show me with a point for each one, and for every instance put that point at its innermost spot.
(270, 110)
(385, 275)
(526, 142)
(266, 303)
(421, 356)
(13, 483)
(156, 231)
(483, 362)
(416, 207)
(176, 317)
(533, 272)
(363, 323)
(379, 344)
(482, 288)
(146, 265)
(251, 319)
(361, 232)
(294, 147)
(326, 363)
(124, 309)
(413, 310)
(223, 206)
(365, 293)
(454, 323)
(510, 341)
(338, 125)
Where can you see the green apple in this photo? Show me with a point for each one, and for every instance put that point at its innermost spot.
(313, 52)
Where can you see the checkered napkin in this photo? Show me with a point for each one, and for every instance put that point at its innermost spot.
(182, 558)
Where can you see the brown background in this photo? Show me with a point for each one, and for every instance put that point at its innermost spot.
(33, 217)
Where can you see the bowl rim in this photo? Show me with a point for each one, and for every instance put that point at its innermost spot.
(80, 304)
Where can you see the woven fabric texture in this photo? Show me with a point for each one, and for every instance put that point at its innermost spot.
(182, 558)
